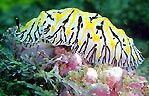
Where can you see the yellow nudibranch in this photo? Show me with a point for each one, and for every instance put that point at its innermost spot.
(89, 34)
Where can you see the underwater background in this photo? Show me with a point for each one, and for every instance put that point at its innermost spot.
(18, 77)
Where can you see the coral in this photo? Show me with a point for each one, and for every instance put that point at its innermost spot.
(91, 75)
(99, 90)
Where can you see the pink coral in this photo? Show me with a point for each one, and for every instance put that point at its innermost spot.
(142, 80)
(75, 61)
(99, 90)
(69, 63)
(91, 76)
(114, 78)
(59, 50)
(63, 58)
(135, 93)
(113, 93)
(135, 86)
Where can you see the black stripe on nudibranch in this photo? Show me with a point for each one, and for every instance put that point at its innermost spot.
(71, 37)
(54, 38)
(86, 44)
(38, 31)
(78, 27)
(35, 36)
(82, 46)
(91, 50)
(102, 50)
(51, 36)
(60, 39)
(123, 40)
(102, 30)
(64, 22)
(114, 33)
(47, 29)
(49, 16)
(21, 34)
(30, 37)
(72, 28)
(29, 34)
(44, 23)
(94, 17)
(116, 36)
(98, 27)
(108, 51)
